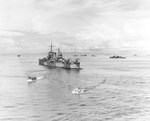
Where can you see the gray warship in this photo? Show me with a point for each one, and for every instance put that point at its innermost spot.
(117, 57)
(56, 60)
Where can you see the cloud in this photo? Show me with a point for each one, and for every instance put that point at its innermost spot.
(7, 33)
(7, 45)
(105, 36)
(75, 24)
(48, 15)
(70, 16)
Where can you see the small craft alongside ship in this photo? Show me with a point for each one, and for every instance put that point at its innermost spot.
(117, 57)
(56, 60)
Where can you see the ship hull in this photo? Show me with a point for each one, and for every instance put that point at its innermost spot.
(60, 65)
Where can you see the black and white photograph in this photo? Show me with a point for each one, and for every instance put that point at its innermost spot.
(74, 60)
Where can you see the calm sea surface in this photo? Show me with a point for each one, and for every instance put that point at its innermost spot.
(125, 96)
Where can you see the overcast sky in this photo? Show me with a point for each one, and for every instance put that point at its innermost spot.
(30, 25)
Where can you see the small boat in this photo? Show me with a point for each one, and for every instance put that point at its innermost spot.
(31, 79)
(34, 79)
(78, 91)
(18, 55)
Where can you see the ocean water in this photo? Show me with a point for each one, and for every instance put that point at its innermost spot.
(125, 96)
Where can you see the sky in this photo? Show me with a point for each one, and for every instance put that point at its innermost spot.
(29, 26)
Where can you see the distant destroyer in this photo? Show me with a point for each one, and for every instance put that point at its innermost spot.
(117, 57)
(56, 60)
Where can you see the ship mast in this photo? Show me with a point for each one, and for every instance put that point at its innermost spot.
(51, 46)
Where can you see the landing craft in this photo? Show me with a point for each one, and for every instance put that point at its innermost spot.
(56, 60)
(34, 79)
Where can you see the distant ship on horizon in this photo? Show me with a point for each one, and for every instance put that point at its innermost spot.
(117, 57)
(18, 55)
(56, 60)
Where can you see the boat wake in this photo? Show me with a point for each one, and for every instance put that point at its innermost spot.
(78, 90)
